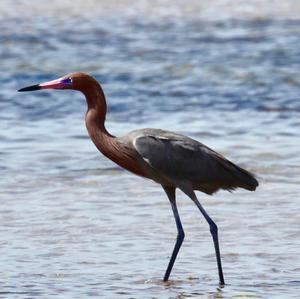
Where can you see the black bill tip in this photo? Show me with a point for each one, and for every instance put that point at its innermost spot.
(30, 88)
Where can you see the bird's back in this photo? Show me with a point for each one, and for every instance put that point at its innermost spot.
(176, 157)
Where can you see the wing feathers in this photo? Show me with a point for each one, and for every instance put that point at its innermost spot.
(182, 158)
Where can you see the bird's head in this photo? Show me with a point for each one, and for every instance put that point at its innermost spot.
(75, 81)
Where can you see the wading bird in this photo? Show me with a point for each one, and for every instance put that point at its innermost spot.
(170, 159)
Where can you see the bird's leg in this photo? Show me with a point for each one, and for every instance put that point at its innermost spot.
(180, 236)
(213, 229)
(214, 233)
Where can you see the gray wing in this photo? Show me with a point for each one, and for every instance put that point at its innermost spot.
(182, 158)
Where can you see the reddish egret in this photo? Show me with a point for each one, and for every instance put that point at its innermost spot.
(170, 159)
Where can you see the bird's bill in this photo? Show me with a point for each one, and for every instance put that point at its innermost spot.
(54, 84)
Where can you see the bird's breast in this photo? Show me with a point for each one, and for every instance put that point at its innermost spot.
(122, 155)
(113, 148)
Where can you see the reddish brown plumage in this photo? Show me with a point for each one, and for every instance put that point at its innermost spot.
(104, 141)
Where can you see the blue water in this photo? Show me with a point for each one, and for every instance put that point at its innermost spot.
(74, 225)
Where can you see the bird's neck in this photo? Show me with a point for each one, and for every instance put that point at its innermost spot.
(95, 118)
(104, 141)
(96, 104)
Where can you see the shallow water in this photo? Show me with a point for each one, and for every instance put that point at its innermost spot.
(74, 225)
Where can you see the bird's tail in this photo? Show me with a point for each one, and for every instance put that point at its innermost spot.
(239, 176)
(247, 179)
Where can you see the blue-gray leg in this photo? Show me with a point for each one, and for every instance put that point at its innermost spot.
(213, 228)
(214, 233)
(170, 191)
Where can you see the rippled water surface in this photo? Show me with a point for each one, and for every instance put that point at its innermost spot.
(73, 224)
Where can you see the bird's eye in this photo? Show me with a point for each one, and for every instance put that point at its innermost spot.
(67, 81)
